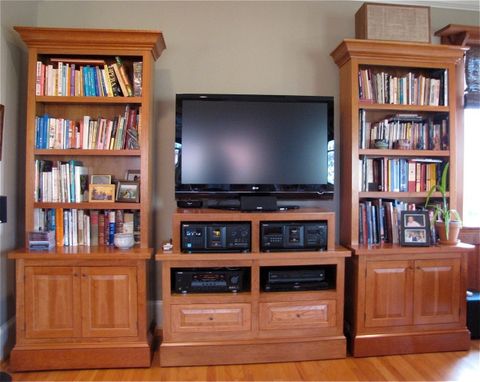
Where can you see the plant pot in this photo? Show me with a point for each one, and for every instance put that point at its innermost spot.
(454, 231)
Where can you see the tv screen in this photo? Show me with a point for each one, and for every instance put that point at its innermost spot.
(229, 145)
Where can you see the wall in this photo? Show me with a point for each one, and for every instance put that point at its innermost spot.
(12, 96)
(266, 47)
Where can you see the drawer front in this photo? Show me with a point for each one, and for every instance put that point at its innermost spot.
(205, 318)
(297, 315)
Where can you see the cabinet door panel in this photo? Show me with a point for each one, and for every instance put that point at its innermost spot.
(109, 301)
(437, 291)
(388, 296)
(52, 302)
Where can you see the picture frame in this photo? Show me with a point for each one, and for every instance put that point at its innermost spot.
(101, 193)
(132, 175)
(128, 191)
(2, 113)
(100, 179)
(415, 229)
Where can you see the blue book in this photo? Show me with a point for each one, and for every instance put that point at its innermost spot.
(111, 227)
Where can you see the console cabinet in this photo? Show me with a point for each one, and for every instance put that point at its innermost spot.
(252, 325)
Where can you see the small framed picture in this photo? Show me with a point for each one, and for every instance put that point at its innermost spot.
(128, 191)
(415, 229)
(133, 175)
(100, 179)
(101, 192)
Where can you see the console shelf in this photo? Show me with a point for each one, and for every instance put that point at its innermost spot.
(252, 326)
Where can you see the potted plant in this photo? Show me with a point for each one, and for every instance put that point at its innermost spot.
(447, 220)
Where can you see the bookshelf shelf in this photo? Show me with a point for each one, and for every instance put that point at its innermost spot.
(81, 152)
(397, 195)
(404, 153)
(405, 108)
(88, 302)
(88, 100)
(390, 286)
(90, 206)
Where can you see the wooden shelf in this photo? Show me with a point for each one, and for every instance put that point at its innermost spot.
(395, 249)
(84, 252)
(82, 152)
(422, 154)
(406, 108)
(398, 195)
(89, 205)
(90, 99)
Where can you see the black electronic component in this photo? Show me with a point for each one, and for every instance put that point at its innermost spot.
(207, 237)
(293, 236)
(274, 279)
(210, 280)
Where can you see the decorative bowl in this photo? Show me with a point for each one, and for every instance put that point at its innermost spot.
(123, 240)
(381, 144)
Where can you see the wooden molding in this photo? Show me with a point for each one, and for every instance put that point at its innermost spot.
(463, 35)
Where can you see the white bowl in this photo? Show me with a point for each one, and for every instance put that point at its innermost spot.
(123, 240)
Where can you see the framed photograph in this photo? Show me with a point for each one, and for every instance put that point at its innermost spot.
(133, 175)
(2, 111)
(415, 229)
(101, 192)
(100, 179)
(128, 191)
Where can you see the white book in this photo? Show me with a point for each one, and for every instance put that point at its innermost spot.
(86, 134)
(38, 79)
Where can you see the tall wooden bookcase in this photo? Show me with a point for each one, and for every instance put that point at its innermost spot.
(85, 306)
(398, 299)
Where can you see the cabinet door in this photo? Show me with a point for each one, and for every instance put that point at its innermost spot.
(52, 302)
(109, 301)
(437, 291)
(388, 294)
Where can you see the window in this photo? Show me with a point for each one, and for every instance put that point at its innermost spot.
(471, 161)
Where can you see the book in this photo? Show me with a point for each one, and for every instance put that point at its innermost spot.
(137, 78)
(120, 80)
(124, 75)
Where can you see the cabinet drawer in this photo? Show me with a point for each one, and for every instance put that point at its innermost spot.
(308, 314)
(204, 318)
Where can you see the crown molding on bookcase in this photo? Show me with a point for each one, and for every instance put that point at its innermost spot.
(107, 39)
(378, 50)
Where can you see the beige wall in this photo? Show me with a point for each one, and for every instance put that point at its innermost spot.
(12, 96)
(271, 47)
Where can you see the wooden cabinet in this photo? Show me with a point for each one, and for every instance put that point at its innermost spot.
(407, 302)
(253, 325)
(82, 304)
(76, 310)
(394, 143)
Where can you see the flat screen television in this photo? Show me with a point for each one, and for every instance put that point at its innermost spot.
(235, 145)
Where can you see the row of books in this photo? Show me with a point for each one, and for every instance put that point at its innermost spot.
(419, 133)
(380, 221)
(121, 132)
(398, 174)
(410, 89)
(60, 181)
(74, 227)
(87, 77)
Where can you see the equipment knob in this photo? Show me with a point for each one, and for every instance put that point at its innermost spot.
(234, 279)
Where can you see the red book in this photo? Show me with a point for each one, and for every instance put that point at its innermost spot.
(101, 228)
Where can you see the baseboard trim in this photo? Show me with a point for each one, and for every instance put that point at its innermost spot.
(7, 337)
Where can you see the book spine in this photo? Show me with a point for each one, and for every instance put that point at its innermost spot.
(124, 75)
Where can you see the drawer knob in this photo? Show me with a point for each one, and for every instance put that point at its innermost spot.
(298, 315)
(210, 318)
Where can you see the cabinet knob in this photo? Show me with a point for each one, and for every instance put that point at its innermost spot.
(75, 274)
(298, 315)
(210, 318)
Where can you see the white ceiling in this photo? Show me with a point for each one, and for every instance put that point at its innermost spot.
(469, 5)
